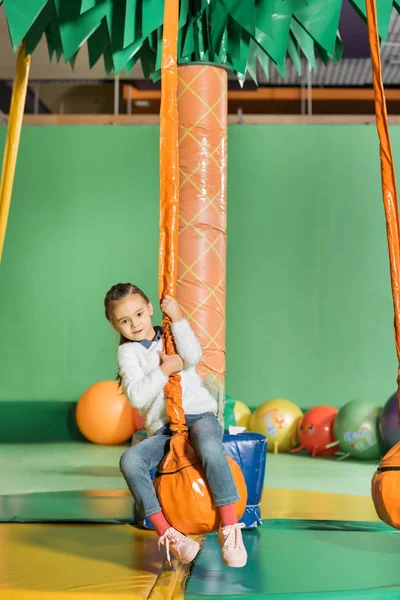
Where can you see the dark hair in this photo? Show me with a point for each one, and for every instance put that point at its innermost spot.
(118, 292)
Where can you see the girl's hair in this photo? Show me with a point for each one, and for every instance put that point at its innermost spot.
(118, 292)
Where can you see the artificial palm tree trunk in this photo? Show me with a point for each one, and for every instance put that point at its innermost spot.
(201, 287)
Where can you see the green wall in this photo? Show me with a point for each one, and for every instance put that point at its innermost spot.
(309, 310)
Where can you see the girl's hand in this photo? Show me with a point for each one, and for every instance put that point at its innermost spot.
(171, 363)
(171, 308)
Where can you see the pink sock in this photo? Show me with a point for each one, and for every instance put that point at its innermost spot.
(227, 514)
(159, 523)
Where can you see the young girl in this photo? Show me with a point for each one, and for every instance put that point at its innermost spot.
(144, 370)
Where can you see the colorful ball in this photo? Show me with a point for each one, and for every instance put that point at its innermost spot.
(242, 414)
(357, 429)
(104, 415)
(277, 419)
(315, 430)
(389, 423)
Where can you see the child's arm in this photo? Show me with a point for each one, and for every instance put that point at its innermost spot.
(140, 389)
(187, 344)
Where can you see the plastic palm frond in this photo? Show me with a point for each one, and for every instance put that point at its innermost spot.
(233, 33)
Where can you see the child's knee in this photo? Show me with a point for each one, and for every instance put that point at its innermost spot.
(211, 449)
(131, 460)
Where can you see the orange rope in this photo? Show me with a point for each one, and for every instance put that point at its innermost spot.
(169, 197)
(389, 190)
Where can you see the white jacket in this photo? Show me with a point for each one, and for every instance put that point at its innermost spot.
(143, 381)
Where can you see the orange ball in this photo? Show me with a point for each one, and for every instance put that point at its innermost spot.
(104, 415)
(184, 493)
(385, 488)
(195, 512)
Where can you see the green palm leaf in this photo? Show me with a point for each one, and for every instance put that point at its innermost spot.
(233, 33)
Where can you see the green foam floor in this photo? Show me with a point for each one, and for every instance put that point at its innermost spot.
(304, 559)
(69, 466)
(86, 506)
(59, 466)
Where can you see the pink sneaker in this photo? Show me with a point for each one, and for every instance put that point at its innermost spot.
(182, 547)
(233, 551)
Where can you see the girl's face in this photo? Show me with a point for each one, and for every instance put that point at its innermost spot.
(132, 318)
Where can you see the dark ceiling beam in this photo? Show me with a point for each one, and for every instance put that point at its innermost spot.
(353, 94)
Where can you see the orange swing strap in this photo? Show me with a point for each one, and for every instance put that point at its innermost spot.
(389, 190)
(169, 198)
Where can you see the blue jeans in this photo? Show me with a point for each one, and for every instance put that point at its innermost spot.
(205, 433)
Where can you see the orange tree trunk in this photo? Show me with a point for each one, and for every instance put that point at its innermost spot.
(202, 108)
